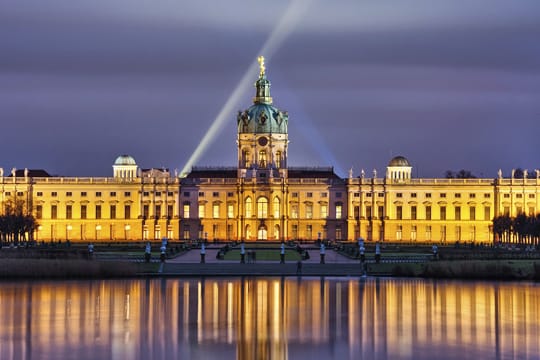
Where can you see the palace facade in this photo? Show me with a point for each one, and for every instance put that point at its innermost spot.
(262, 198)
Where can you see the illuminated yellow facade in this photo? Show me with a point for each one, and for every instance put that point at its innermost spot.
(263, 198)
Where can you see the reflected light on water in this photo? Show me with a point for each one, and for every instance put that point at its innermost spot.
(269, 318)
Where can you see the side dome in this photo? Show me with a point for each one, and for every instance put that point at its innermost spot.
(262, 118)
(124, 160)
(399, 161)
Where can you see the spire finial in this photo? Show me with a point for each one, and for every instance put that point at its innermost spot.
(260, 59)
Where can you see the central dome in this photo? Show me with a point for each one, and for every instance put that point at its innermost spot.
(399, 161)
(125, 160)
(262, 118)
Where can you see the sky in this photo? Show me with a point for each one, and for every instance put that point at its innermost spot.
(449, 84)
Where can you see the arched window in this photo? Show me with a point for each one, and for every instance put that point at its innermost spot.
(276, 208)
(262, 208)
(262, 158)
(278, 159)
(245, 158)
(249, 209)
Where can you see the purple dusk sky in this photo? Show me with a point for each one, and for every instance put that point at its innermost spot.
(450, 84)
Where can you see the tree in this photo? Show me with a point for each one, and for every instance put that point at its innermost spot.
(461, 174)
(17, 222)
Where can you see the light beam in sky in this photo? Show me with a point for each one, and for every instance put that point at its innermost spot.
(280, 32)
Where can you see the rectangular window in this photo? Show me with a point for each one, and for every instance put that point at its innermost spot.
(399, 212)
(487, 213)
(158, 193)
(157, 214)
(413, 195)
(39, 211)
(201, 211)
(309, 194)
(472, 196)
(215, 211)
(215, 194)
(428, 212)
(127, 193)
(428, 195)
(369, 194)
(368, 212)
(443, 195)
(294, 211)
(506, 196)
(146, 211)
(170, 211)
(69, 212)
(112, 210)
(443, 212)
(380, 194)
(185, 210)
(69, 194)
(324, 194)
(54, 194)
(83, 212)
(381, 212)
(83, 193)
(356, 194)
(457, 211)
(531, 210)
(324, 211)
(20, 193)
(294, 194)
(230, 211)
(309, 211)
(339, 210)
(487, 196)
(357, 212)
(339, 234)
(98, 211)
(54, 211)
(472, 213)
(39, 193)
(506, 210)
(112, 194)
(531, 196)
(399, 195)
(230, 194)
(98, 193)
(457, 195)
(201, 193)
(413, 212)
(519, 196)
(127, 212)
(294, 231)
(309, 232)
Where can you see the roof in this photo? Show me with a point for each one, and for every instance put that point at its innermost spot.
(125, 160)
(31, 173)
(213, 172)
(313, 172)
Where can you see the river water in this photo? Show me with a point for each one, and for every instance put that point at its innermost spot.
(269, 318)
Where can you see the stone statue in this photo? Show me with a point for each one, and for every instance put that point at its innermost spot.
(362, 173)
(374, 173)
(1, 172)
(262, 68)
(499, 173)
(350, 173)
(525, 173)
(13, 172)
(25, 172)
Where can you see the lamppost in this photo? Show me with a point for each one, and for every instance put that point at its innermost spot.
(126, 231)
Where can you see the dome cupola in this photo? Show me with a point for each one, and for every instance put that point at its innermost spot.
(125, 167)
(399, 169)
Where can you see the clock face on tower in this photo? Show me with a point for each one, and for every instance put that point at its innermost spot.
(263, 141)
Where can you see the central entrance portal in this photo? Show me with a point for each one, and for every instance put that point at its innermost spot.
(262, 234)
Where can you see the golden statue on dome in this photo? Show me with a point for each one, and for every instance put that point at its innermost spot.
(260, 59)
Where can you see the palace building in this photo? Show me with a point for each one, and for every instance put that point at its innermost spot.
(263, 198)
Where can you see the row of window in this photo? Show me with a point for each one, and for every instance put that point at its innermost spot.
(231, 194)
(262, 210)
(83, 214)
(442, 213)
(98, 193)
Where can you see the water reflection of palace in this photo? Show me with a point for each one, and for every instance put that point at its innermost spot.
(273, 318)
